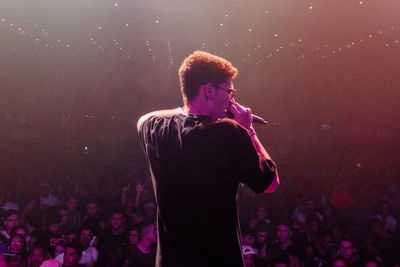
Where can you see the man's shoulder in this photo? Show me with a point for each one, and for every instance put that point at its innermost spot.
(133, 250)
(231, 126)
(4, 234)
(154, 122)
(10, 206)
(158, 114)
(226, 122)
(91, 250)
(105, 233)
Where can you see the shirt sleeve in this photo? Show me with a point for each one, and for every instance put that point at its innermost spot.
(145, 133)
(252, 171)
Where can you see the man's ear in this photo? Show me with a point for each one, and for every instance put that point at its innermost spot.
(208, 90)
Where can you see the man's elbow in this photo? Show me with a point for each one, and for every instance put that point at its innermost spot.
(274, 185)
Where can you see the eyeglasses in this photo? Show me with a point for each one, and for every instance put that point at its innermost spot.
(230, 91)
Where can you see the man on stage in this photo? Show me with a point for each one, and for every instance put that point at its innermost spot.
(197, 159)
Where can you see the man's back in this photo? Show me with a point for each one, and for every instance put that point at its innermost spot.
(196, 166)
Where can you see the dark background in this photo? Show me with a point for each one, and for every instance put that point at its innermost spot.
(76, 74)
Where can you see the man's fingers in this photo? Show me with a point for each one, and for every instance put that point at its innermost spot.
(235, 106)
(234, 110)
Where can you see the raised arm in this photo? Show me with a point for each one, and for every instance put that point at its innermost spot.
(263, 155)
(243, 117)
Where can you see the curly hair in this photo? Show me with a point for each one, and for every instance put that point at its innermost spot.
(200, 68)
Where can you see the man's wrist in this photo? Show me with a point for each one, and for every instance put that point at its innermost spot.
(251, 131)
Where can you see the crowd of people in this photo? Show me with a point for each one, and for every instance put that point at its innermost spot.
(46, 230)
(75, 224)
(312, 237)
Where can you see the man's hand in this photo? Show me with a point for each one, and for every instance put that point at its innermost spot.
(126, 188)
(242, 115)
(139, 187)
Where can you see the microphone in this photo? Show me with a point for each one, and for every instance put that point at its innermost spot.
(256, 119)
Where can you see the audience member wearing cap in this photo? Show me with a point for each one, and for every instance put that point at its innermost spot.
(249, 256)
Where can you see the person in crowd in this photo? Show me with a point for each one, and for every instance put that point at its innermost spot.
(281, 259)
(321, 252)
(385, 215)
(136, 216)
(6, 202)
(73, 215)
(10, 220)
(32, 209)
(3, 260)
(372, 262)
(21, 230)
(329, 214)
(59, 249)
(86, 237)
(51, 236)
(3, 246)
(89, 254)
(338, 230)
(262, 244)
(348, 250)
(309, 208)
(92, 216)
(382, 243)
(248, 237)
(285, 244)
(133, 236)
(72, 255)
(312, 227)
(70, 236)
(113, 241)
(37, 256)
(18, 251)
(129, 202)
(340, 262)
(197, 159)
(46, 198)
(144, 253)
(92, 210)
(261, 215)
(63, 210)
(32, 220)
(150, 212)
(51, 263)
(392, 196)
(249, 256)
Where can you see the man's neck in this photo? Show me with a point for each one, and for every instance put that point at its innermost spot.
(30, 229)
(321, 250)
(284, 245)
(198, 108)
(117, 231)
